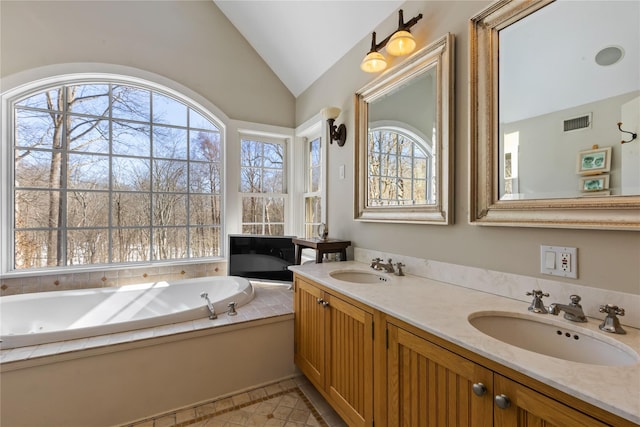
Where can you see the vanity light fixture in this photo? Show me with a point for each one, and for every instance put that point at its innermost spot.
(336, 133)
(400, 43)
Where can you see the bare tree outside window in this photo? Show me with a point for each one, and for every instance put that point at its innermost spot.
(112, 173)
(262, 178)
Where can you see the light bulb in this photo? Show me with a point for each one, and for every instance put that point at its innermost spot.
(401, 43)
(373, 62)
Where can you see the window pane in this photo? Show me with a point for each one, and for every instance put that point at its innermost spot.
(406, 170)
(31, 249)
(88, 99)
(169, 209)
(88, 172)
(251, 229)
(131, 139)
(169, 175)
(205, 146)
(47, 100)
(87, 209)
(89, 135)
(273, 156)
(32, 169)
(420, 168)
(131, 244)
(274, 209)
(197, 120)
(169, 143)
(313, 210)
(87, 247)
(131, 103)
(252, 209)
(35, 129)
(205, 241)
(205, 178)
(131, 174)
(168, 110)
(33, 209)
(250, 180)
(169, 243)
(273, 181)
(130, 209)
(204, 210)
(274, 229)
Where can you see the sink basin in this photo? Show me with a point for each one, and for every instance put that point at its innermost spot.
(360, 276)
(550, 339)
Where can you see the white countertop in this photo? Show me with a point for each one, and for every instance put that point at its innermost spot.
(443, 310)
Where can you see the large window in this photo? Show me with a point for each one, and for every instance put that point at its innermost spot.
(105, 172)
(313, 187)
(262, 186)
(400, 168)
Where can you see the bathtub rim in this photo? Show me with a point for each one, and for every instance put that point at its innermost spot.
(246, 291)
(45, 354)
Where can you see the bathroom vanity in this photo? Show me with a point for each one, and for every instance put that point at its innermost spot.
(403, 351)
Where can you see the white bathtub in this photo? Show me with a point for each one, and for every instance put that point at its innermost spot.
(46, 317)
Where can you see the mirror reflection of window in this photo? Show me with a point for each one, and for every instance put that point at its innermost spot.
(510, 169)
(400, 168)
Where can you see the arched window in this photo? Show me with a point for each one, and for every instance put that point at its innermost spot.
(113, 172)
(400, 168)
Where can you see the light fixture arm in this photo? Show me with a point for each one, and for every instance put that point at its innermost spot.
(337, 133)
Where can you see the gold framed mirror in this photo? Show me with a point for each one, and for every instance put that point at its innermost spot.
(530, 133)
(403, 141)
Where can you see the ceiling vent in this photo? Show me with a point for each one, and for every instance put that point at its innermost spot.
(577, 123)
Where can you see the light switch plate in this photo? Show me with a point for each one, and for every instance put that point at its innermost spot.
(559, 261)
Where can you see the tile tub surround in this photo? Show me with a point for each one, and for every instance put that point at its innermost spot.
(443, 309)
(25, 282)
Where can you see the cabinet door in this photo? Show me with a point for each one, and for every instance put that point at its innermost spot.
(529, 408)
(350, 361)
(431, 386)
(310, 332)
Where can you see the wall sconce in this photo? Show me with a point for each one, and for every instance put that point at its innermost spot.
(400, 43)
(336, 133)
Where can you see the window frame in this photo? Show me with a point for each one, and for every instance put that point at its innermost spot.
(7, 202)
(285, 195)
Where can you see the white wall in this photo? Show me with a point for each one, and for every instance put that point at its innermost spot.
(190, 42)
(607, 259)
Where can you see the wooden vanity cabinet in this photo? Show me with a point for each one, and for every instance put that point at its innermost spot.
(429, 385)
(334, 349)
(413, 378)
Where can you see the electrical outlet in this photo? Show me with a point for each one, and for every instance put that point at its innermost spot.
(559, 261)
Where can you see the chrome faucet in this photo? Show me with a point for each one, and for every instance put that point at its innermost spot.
(572, 311)
(212, 312)
(537, 306)
(377, 264)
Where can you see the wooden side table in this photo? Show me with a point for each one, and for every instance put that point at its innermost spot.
(321, 246)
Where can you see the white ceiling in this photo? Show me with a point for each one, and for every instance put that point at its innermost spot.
(302, 39)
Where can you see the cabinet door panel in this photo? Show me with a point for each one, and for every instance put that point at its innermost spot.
(310, 332)
(432, 387)
(529, 408)
(350, 361)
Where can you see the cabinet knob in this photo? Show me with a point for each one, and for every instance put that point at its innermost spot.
(319, 300)
(502, 401)
(479, 389)
(325, 303)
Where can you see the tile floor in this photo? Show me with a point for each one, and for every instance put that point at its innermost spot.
(290, 403)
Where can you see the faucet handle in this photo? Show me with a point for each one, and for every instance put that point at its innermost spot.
(537, 306)
(612, 310)
(575, 299)
(399, 267)
(611, 322)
